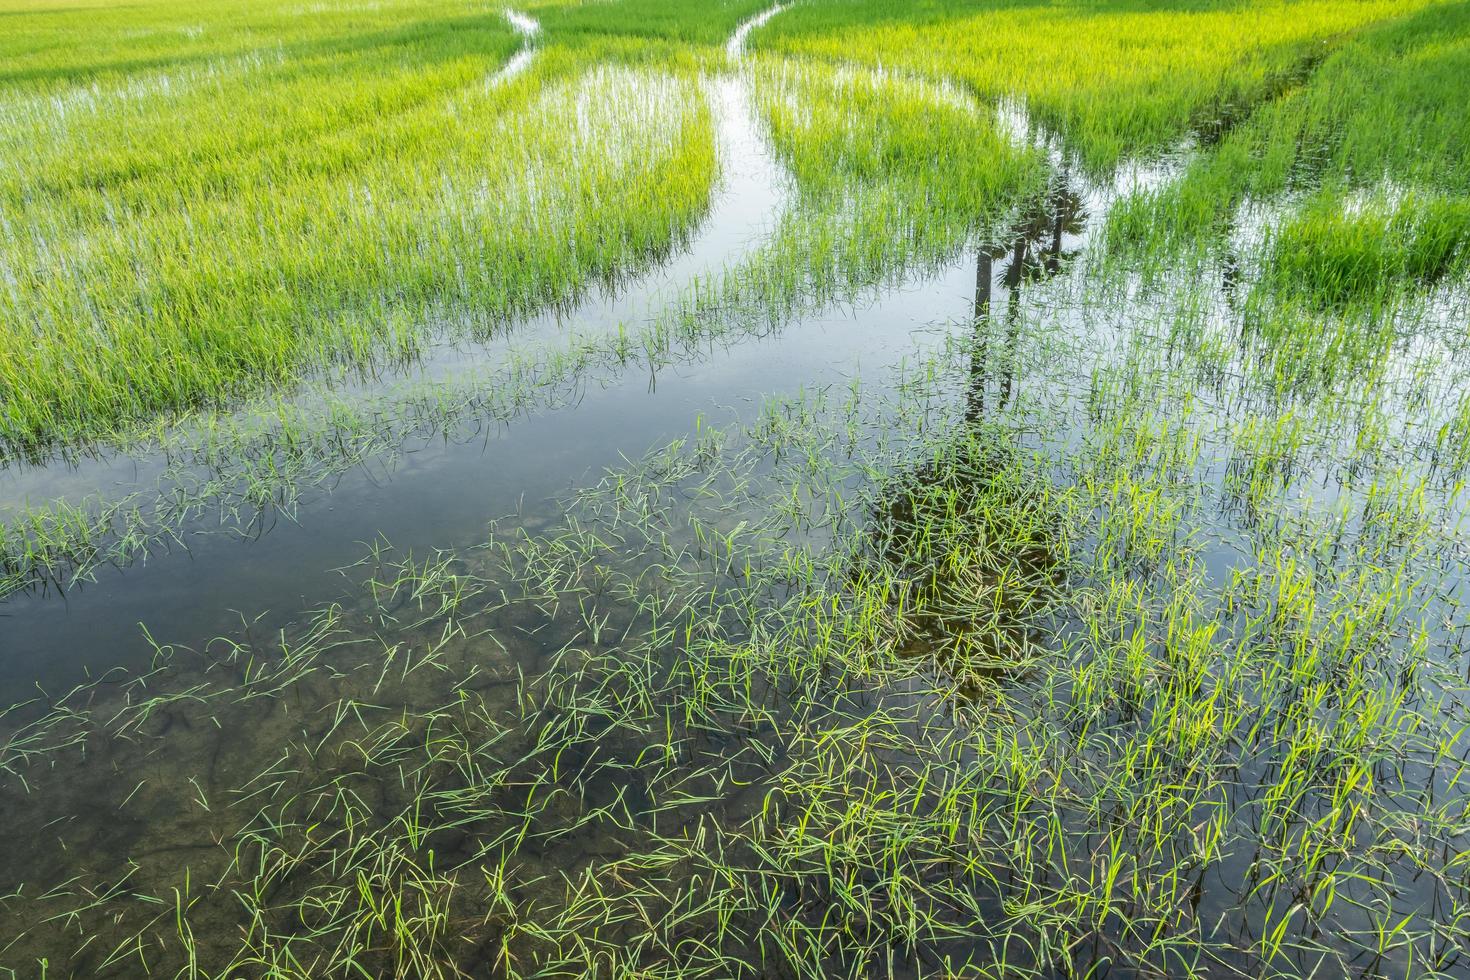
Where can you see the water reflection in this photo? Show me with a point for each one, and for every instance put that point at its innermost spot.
(1036, 252)
(968, 534)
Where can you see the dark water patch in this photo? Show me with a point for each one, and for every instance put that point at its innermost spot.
(970, 537)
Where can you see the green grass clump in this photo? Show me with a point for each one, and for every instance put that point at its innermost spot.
(893, 174)
(971, 545)
(179, 232)
(838, 127)
(1115, 80)
(1333, 259)
(1387, 104)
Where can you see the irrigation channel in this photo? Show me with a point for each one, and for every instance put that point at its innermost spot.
(437, 491)
(435, 739)
(435, 494)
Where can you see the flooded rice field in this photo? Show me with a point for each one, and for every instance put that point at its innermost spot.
(802, 490)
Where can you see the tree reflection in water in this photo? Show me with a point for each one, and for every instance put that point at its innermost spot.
(969, 536)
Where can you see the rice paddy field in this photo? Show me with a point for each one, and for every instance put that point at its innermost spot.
(657, 488)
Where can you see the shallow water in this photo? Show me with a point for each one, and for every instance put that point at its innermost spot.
(442, 494)
(1024, 306)
(438, 491)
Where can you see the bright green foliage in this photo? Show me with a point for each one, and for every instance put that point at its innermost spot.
(173, 231)
(1388, 104)
(839, 127)
(1331, 258)
(891, 173)
(1119, 631)
(1114, 79)
(612, 24)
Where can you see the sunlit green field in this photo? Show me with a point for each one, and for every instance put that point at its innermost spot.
(1109, 622)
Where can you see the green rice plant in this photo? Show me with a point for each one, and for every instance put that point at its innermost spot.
(1113, 80)
(1329, 259)
(1381, 106)
(186, 276)
(1116, 630)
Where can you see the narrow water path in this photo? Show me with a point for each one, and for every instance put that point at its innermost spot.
(527, 27)
(752, 191)
(735, 47)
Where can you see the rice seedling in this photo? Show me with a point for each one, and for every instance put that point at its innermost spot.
(1115, 628)
(212, 262)
(1377, 108)
(1115, 80)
